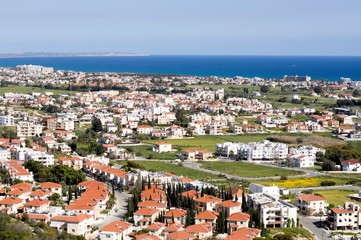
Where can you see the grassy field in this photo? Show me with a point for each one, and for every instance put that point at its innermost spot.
(178, 170)
(147, 152)
(303, 182)
(314, 139)
(356, 144)
(335, 197)
(296, 233)
(208, 142)
(249, 170)
(24, 90)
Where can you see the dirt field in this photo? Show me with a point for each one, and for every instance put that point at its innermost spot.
(305, 140)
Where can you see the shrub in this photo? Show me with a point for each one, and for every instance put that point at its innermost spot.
(283, 177)
(327, 183)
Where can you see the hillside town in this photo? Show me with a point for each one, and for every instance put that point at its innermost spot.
(72, 145)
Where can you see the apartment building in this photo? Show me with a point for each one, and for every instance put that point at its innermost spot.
(28, 129)
(7, 120)
(60, 123)
(273, 212)
(264, 150)
(311, 204)
(345, 218)
(40, 156)
(301, 161)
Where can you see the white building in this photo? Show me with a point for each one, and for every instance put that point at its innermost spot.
(162, 147)
(307, 150)
(264, 150)
(346, 218)
(28, 129)
(273, 212)
(351, 165)
(301, 161)
(270, 190)
(311, 204)
(7, 120)
(40, 156)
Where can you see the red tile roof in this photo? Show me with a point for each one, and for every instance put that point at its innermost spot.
(310, 198)
(117, 226)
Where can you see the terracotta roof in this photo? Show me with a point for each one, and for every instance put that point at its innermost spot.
(151, 203)
(74, 219)
(176, 213)
(37, 202)
(350, 161)
(50, 185)
(198, 228)
(208, 199)
(38, 216)
(11, 200)
(180, 235)
(311, 197)
(21, 185)
(146, 236)
(173, 227)
(156, 226)
(18, 191)
(190, 194)
(146, 211)
(40, 193)
(238, 216)
(206, 215)
(244, 234)
(117, 226)
(229, 204)
(340, 210)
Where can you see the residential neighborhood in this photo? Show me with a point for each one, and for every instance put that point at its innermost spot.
(125, 159)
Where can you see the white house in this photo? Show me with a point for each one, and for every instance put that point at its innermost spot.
(162, 147)
(311, 204)
(351, 165)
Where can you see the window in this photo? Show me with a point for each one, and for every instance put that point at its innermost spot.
(73, 230)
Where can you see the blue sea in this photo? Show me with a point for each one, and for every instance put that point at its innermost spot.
(326, 68)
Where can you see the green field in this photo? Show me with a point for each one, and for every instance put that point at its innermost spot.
(335, 197)
(208, 142)
(178, 170)
(303, 182)
(29, 90)
(356, 144)
(147, 152)
(248, 170)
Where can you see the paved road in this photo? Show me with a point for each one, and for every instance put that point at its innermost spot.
(194, 165)
(312, 224)
(118, 211)
(343, 187)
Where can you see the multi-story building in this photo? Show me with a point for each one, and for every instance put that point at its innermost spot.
(307, 150)
(7, 120)
(264, 150)
(301, 161)
(60, 123)
(311, 204)
(40, 156)
(346, 218)
(273, 212)
(28, 129)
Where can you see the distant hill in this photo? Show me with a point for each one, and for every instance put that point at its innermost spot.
(69, 54)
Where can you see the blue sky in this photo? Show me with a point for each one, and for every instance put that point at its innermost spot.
(200, 27)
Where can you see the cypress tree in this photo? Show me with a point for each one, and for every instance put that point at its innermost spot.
(244, 201)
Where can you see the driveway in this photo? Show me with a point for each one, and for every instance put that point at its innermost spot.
(312, 224)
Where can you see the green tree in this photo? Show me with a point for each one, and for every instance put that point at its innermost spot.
(264, 89)
(55, 199)
(96, 125)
